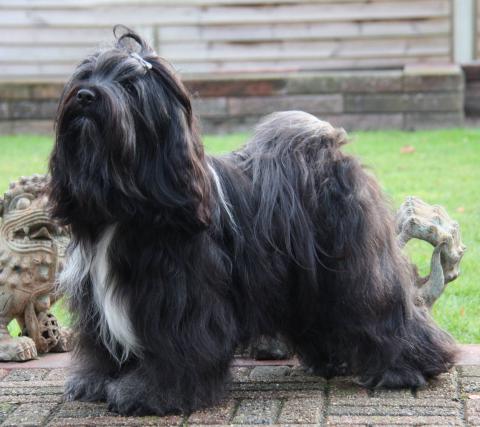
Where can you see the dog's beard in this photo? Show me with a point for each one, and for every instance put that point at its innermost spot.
(94, 160)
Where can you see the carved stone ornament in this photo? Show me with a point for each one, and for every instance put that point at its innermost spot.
(32, 248)
(431, 223)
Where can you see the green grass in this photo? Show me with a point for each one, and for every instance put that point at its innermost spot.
(444, 168)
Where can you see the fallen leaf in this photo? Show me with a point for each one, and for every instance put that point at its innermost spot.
(407, 149)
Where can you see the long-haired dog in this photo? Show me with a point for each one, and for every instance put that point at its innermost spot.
(178, 257)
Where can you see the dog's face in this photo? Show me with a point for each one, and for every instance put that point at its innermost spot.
(126, 143)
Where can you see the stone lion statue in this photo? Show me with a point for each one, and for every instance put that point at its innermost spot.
(32, 247)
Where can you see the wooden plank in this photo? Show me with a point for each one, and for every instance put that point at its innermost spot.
(170, 15)
(305, 65)
(53, 70)
(78, 4)
(202, 51)
(47, 37)
(326, 30)
(72, 36)
(90, 37)
(78, 36)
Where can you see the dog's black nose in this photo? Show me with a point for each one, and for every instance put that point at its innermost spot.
(85, 97)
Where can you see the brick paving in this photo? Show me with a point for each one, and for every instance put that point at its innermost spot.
(268, 393)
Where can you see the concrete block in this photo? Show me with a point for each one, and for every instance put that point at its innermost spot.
(469, 370)
(269, 104)
(431, 102)
(254, 86)
(15, 91)
(427, 120)
(375, 103)
(310, 83)
(444, 386)
(388, 420)
(38, 127)
(26, 375)
(472, 412)
(302, 411)
(428, 78)
(29, 415)
(43, 91)
(25, 110)
(259, 411)
(366, 121)
(219, 415)
(270, 373)
(5, 409)
(210, 107)
(372, 82)
(4, 110)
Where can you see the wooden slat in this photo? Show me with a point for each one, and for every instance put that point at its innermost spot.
(201, 51)
(170, 15)
(348, 30)
(327, 30)
(78, 4)
(297, 50)
(54, 70)
(242, 33)
(46, 38)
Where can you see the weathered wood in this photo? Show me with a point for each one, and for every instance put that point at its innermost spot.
(46, 38)
(302, 31)
(222, 15)
(52, 70)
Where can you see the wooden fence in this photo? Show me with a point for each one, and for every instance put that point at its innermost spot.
(43, 39)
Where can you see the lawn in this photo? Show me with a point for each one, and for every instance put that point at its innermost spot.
(441, 167)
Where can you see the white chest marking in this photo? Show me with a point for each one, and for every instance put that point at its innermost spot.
(115, 327)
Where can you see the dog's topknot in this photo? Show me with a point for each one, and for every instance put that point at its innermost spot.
(129, 40)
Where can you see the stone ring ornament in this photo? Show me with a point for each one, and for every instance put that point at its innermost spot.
(431, 223)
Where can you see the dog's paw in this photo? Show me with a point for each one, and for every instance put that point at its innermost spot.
(131, 407)
(87, 388)
(395, 378)
(330, 370)
(127, 396)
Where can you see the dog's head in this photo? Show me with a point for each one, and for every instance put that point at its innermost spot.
(126, 145)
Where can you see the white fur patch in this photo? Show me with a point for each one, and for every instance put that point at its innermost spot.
(115, 326)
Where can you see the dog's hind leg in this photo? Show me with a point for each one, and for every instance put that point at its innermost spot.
(367, 285)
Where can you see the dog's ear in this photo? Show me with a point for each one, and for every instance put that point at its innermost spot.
(179, 176)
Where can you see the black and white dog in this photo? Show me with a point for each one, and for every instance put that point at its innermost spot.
(178, 257)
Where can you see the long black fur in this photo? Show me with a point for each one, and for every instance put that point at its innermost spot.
(297, 240)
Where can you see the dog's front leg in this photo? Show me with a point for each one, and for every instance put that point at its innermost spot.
(155, 388)
(93, 367)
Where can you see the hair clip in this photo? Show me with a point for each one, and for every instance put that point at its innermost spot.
(142, 61)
